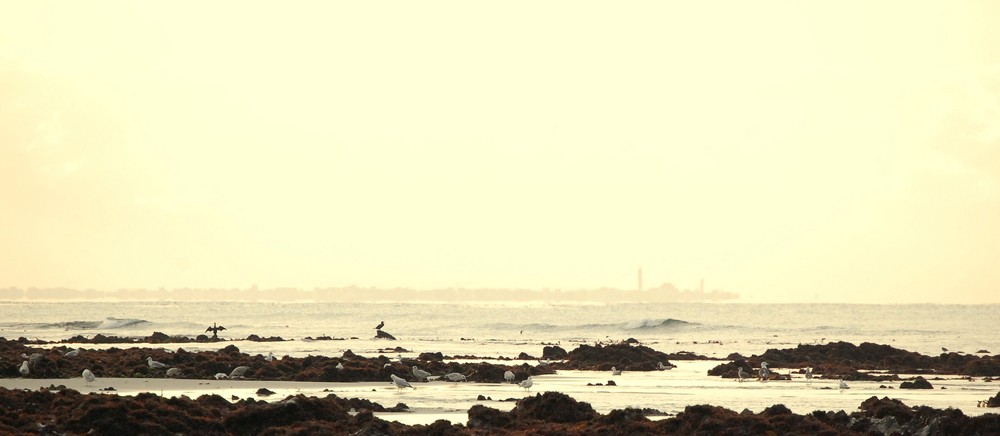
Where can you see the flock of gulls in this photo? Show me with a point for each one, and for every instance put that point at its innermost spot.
(764, 374)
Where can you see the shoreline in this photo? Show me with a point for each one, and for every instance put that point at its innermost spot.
(581, 374)
(67, 410)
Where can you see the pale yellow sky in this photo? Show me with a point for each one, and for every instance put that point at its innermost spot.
(787, 151)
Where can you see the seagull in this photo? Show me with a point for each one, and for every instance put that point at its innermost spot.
(400, 382)
(660, 366)
(340, 366)
(741, 374)
(455, 377)
(221, 375)
(843, 384)
(809, 373)
(173, 372)
(508, 376)
(34, 357)
(615, 371)
(89, 376)
(73, 353)
(24, 369)
(270, 357)
(420, 374)
(526, 383)
(764, 372)
(154, 364)
(239, 371)
(380, 325)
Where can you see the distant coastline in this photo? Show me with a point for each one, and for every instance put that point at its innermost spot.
(665, 293)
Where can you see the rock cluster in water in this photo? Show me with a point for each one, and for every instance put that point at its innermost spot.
(623, 355)
(847, 361)
(131, 362)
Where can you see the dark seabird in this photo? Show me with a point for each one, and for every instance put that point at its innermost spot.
(380, 325)
(215, 329)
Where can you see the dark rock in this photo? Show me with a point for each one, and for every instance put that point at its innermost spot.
(553, 352)
(264, 392)
(612, 383)
(553, 407)
(621, 355)
(918, 383)
(437, 356)
(380, 334)
(847, 361)
(488, 418)
(994, 401)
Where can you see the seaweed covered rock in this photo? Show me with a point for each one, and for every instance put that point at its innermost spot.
(553, 407)
(620, 355)
(846, 360)
(553, 352)
(70, 412)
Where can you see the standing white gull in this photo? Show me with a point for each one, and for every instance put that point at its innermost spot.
(526, 383)
(400, 382)
(741, 374)
(615, 371)
(340, 366)
(270, 357)
(89, 376)
(420, 374)
(508, 376)
(154, 364)
(239, 371)
(809, 373)
(765, 373)
(455, 377)
(843, 384)
(24, 369)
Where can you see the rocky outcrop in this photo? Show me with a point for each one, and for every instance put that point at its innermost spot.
(69, 412)
(622, 355)
(845, 360)
(917, 383)
(994, 401)
(131, 362)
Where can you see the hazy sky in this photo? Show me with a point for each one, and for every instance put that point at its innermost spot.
(787, 151)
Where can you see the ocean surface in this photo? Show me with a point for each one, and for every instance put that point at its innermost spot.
(492, 330)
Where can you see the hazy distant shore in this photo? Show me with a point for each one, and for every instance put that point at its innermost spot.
(665, 293)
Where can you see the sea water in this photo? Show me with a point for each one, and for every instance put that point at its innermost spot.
(499, 330)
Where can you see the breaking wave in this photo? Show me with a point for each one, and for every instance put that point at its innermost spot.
(639, 325)
(106, 324)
